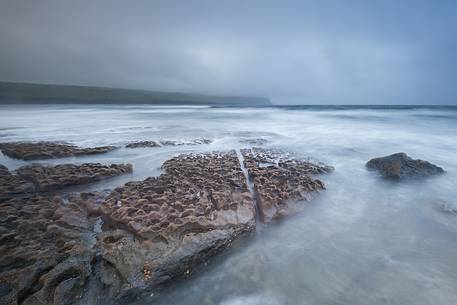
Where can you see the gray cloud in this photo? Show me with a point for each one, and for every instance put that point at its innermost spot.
(311, 52)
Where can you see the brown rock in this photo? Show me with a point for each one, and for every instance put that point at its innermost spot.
(168, 143)
(48, 178)
(11, 184)
(280, 182)
(44, 248)
(48, 150)
(399, 165)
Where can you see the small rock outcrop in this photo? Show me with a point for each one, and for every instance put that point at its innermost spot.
(42, 178)
(399, 166)
(48, 150)
(280, 182)
(168, 143)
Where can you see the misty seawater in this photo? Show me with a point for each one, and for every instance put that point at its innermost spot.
(364, 240)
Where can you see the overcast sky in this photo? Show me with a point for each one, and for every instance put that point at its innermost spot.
(305, 52)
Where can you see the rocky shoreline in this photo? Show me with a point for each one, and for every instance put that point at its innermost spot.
(112, 246)
(119, 244)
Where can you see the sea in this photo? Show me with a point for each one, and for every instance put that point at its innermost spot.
(364, 240)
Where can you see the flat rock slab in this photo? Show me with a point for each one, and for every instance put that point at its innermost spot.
(160, 143)
(48, 150)
(126, 242)
(399, 166)
(42, 178)
(281, 183)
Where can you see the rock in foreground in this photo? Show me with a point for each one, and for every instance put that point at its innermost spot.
(119, 245)
(400, 165)
(11, 184)
(48, 150)
(45, 252)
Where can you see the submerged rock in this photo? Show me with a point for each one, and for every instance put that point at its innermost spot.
(41, 178)
(168, 143)
(254, 141)
(281, 183)
(400, 165)
(48, 150)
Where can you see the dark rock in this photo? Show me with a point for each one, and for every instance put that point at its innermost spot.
(255, 141)
(168, 143)
(399, 165)
(11, 184)
(40, 178)
(281, 183)
(48, 150)
(44, 245)
(117, 245)
(48, 178)
(143, 144)
(166, 225)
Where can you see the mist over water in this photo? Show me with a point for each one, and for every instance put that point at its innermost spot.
(364, 240)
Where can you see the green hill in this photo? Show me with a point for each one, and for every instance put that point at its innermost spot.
(28, 93)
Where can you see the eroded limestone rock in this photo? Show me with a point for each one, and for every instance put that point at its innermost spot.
(44, 251)
(281, 182)
(119, 244)
(48, 150)
(48, 178)
(169, 223)
(42, 178)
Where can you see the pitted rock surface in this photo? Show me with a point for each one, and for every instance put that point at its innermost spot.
(196, 192)
(48, 178)
(124, 243)
(41, 178)
(165, 225)
(44, 251)
(48, 150)
(168, 143)
(11, 184)
(399, 165)
(281, 182)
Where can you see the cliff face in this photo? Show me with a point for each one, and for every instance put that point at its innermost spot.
(27, 93)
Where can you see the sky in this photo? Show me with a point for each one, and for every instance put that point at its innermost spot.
(293, 52)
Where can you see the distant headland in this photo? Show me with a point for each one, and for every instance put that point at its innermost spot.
(32, 93)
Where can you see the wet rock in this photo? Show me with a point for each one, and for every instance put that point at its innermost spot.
(168, 143)
(281, 183)
(44, 251)
(48, 178)
(167, 224)
(400, 165)
(114, 246)
(143, 144)
(48, 150)
(11, 184)
(255, 141)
